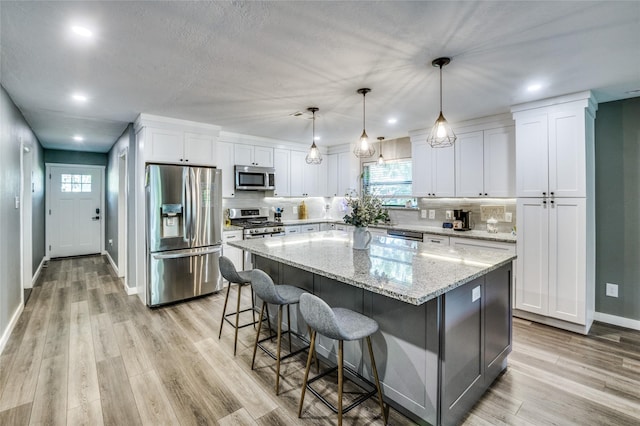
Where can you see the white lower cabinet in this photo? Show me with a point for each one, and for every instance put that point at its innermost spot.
(312, 227)
(235, 254)
(343, 227)
(552, 272)
(292, 229)
(327, 226)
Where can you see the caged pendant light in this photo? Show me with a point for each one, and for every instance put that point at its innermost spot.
(364, 149)
(441, 135)
(314, 156)
(381, 161)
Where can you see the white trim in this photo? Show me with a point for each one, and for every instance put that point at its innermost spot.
(130, 290)
(38, 271)
(616, 320)
(11, 326)
(113, 264)
(553, 322)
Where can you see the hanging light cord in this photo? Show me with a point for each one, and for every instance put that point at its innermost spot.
(440, 89)
(364, 101)
(313, 125)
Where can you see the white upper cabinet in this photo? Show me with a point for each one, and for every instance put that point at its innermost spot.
(348, 174)
(168, 140)
(250, 155)
(225, 162)
(282, 164)
(552, 146)
(433, 170)
(305, 178)
(331, 161)
(485, 163)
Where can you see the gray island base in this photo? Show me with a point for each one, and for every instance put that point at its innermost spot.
(444, 313)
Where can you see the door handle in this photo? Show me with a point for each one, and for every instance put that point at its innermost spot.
(95, 218)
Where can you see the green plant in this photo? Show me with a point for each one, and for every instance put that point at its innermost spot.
(365, 210)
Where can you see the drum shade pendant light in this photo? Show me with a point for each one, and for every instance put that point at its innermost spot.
(364, 149)
(441, 135)
(314, 156)
(381, 161)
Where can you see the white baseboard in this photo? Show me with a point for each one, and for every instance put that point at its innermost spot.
(10, 327)
(130, 290)
(616, 320)
(113, 264)
(38, 271)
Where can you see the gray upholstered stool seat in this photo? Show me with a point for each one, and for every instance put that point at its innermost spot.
(280, 295)
(241, 279)
(339, 324)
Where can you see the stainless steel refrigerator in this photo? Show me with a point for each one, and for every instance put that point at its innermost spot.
(184, 232)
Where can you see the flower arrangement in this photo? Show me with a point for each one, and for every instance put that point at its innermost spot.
(365, 210)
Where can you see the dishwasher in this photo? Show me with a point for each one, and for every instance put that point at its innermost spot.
(405, 235)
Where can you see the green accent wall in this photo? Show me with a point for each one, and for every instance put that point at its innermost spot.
(618, 207)
(75, 157)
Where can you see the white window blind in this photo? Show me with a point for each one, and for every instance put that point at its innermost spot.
(391, 181)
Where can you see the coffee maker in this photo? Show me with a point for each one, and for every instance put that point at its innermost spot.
(462, 220)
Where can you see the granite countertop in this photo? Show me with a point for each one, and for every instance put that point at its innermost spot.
(404, 270)
(504, 237)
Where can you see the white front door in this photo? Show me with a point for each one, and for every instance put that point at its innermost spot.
(74, 222)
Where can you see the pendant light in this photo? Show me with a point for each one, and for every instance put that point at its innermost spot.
(441, 135)
(314, 156)
(364, 149)
(381, 161)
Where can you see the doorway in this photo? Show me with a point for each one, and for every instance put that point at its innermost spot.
(75, 198)
(26, 246)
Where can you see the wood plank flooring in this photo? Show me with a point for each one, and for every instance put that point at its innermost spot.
(83, 352)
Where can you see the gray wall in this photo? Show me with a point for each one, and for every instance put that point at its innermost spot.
(75, 157)
(13, 128)
(618, 207)
(112, 191)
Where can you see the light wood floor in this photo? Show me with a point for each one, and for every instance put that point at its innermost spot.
(83, 352)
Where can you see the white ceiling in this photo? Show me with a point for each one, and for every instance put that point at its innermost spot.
(246, 66)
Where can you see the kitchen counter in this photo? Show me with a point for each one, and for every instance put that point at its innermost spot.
(404, 270)
(504, 237)
(226, 228)
(432, 304)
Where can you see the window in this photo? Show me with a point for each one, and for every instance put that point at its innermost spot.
(391, 182)
(75, 183)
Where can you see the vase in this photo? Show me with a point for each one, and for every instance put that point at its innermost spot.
(361, 238)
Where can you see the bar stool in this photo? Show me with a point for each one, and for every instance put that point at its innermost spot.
(241, 278)
(280, 295)
(339, 324)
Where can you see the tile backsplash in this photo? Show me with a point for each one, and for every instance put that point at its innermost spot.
(334, 208)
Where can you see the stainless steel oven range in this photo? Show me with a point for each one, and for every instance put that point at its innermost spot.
(255, 226)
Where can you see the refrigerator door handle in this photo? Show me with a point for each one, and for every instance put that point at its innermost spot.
(193, 205)
(186, 202)
(186, 254)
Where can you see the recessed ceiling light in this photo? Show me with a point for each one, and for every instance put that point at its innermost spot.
(79, 97)
(78, 138)
(534, 87)
(81, 31)
(316, 138)
(392, 120)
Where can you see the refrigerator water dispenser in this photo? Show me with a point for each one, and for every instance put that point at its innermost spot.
(171, 220)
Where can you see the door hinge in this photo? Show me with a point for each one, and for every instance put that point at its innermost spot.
(49, 175)
(49, 248)
(49, 212)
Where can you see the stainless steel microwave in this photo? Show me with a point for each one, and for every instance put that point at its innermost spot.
(249, 178)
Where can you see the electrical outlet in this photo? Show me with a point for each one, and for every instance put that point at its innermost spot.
(423, 214)
(508, 217)
(294, 210)
(448, 214)
(612, 290)
(432, 214)
(110, 242)
(475, 294)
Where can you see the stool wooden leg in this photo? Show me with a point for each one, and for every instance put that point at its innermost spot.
(375, 375)
(278, 349)
(255, 345)
(340, 379)
(312, 347)
(311, 333)
(235, 340)
(224, 310)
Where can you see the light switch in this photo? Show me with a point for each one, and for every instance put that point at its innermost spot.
(448, 214)
(423, 214)
(432, 214)
(508, 217)
(17, 201)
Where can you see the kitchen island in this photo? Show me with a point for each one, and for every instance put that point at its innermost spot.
(444, 313)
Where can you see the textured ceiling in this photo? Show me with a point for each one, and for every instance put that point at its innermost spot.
(246, 66)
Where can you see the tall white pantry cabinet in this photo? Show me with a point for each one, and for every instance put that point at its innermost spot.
(555, 186)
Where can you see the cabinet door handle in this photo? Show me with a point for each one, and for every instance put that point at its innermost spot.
(485, 194)
(551, 193)
(479, 193)
(544, 194)
(435, 241)
(544, 202)
(551, 201)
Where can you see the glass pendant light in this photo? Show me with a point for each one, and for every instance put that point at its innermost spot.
(381, 161)
(364, 149)
(314, 156)
(441, 135)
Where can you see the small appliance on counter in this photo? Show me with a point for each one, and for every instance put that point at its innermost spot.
(462, 220)
(277, 214)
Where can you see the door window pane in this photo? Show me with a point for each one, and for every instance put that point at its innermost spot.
(75, 183)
